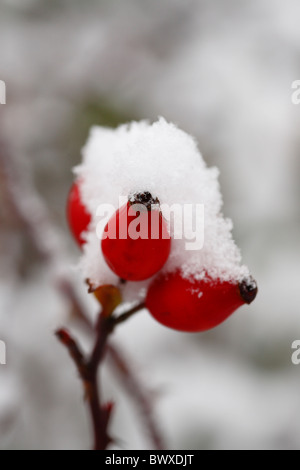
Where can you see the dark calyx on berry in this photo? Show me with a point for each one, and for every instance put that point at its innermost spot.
(248, 289)
(146, 199)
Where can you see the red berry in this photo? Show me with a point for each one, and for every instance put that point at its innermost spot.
(185, 305)
(77, 215)
(136, 259)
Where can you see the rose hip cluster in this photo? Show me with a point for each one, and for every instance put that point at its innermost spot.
(181, 303)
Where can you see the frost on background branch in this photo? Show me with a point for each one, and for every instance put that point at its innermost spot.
(28, 208)
(29, 211)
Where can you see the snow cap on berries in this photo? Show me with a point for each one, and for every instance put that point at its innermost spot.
(165, 161)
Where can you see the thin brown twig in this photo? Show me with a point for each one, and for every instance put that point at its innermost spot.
(88, 373)
(105, 327)
(88, 369)
(125, 316)
(66, 339)
(142, 398)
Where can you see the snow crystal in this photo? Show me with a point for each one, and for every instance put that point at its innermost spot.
(164, 160)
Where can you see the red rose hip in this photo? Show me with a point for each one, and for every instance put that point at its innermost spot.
(185, 305)
(136, 243)
(77, 215)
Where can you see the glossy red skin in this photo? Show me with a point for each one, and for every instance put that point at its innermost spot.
(175, 302)
(136, 260)
(77, 215)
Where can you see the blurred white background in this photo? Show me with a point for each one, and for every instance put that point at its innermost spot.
(223, 72)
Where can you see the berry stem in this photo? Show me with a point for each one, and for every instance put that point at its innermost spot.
(136, 389)
(100, 437)
(130, 313)
(88, 370)
(88, 375)
(105, 326)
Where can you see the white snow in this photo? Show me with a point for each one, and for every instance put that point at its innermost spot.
(164, 160)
